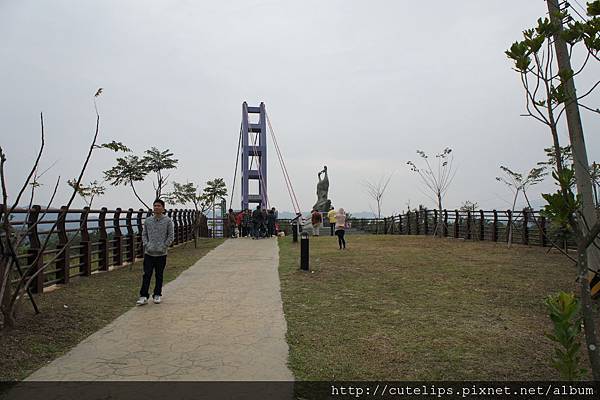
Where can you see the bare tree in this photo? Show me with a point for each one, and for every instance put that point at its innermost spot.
(376, 190)
(437, 179)
(517, 184)
(11, 239)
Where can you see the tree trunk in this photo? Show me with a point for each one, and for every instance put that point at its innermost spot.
(580, 159)
(589, 323)
(512, 213)
(439, 224)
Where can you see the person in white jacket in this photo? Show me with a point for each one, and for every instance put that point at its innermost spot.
(340, 227)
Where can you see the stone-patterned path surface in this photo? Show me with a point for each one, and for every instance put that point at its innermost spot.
(220, 320)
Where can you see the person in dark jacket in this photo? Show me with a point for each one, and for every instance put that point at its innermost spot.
(247, 223)
(257, 221)
(231, 223)
(271, 220)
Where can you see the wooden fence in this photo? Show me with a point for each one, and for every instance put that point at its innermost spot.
(529, 227)
(104, 239)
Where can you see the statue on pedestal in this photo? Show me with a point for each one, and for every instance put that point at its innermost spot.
(323, 204)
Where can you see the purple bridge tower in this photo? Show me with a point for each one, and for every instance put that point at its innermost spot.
(254, 154)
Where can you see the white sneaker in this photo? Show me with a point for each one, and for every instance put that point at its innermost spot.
(156, 299)
(142, 300)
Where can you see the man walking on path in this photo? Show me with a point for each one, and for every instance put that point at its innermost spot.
(331, 218)
(316, 219)
(157, 236)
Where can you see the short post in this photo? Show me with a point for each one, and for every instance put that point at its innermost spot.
(304, 251)
(295, 232)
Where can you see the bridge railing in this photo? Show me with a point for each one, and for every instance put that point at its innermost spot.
(92, 240)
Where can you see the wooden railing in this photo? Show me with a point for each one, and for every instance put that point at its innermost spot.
(91, 239)
(529, 227)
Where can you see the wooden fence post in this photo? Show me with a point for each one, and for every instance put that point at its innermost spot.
(131, 238)
(445, 227)
(385, 226)
(35, 249)
(425, 222)
(481, 225)
(400, 224)
(182, 226)
(176, 226)
(525, 235)
(140, 226)
(418, 227)
(85, 253)
(408, 230)
(118, 237)
(543, 239)
(436, 225)
(468, 230)
(62, 261)
(104, 260)
(495, 227)
(456, 224)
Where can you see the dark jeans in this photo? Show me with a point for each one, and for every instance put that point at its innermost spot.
(152, 263)
(340, 234)
(270, 230)
(332, 227)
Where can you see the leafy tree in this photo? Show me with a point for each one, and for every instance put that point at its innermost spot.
(214, 190)
(159, 161)
(469, 206)
(550, 94)
(87, 192)
(129, 169)
(186, 193)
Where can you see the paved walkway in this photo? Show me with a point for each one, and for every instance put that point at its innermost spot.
(220, 320)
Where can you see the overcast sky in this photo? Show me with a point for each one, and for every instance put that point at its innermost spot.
(356, 85)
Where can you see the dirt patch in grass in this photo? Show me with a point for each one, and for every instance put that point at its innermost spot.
(420, 308)
(82, 307)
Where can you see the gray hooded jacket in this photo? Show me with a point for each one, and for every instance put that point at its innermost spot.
(157, 235)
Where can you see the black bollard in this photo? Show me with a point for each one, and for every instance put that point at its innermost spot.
(295, 233)
(304, 251)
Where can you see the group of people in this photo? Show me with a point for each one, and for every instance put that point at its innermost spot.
(337, 223)
(158, 234)
(257, 224)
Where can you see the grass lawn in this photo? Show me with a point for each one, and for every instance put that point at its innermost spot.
(79, 309)
(420, 308)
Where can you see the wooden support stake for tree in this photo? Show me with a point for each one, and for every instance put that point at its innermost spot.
(34, 249)
(456, 224)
